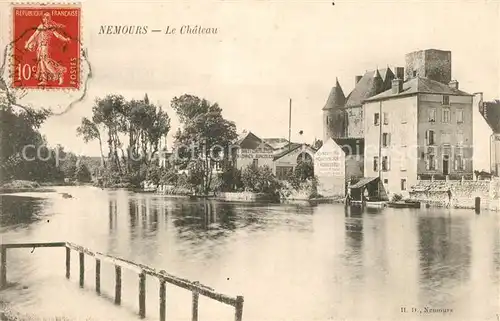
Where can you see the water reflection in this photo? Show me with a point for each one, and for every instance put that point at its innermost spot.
(311, 262)
(445, 254)
(16, 210)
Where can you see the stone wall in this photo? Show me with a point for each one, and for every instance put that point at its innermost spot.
(355, 125)
(463, 193)
(243, 197)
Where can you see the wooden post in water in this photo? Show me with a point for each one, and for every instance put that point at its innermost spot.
(3, 268)
(238, 308)
(82, 269)
(68, 262)
(163, 301)
(194, 310)
(98, 276)
(142, 295)
(118, 284)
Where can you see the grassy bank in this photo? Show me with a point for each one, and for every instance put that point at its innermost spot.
(19, 186)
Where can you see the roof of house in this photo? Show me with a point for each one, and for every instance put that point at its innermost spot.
(491, 113)
(293, 147)
(369, 85)
(336, 98)
(276, 143)
(420, 85)
(249, 140)
(363, 182)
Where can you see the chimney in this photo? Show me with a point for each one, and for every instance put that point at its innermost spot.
(453, 84)
(397, 86)
(357, 79)
(400, 73)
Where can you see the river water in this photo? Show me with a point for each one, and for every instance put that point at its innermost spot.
(290, 262)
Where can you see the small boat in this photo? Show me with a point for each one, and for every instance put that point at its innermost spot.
(404, 204)
(375, 204)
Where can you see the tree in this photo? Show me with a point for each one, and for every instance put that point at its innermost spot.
(205, 136)
(90, 131)
(144, 124)
(23, 154)
(304, 170)
(82, 173)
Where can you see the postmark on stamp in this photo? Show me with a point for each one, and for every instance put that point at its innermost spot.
(46, 46)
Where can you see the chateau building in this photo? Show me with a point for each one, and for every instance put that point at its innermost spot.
(414, 121)
(421, 127)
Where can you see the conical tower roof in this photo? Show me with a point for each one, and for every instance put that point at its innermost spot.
(336, 98)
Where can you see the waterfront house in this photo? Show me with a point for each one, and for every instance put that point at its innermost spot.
(285, 161)
(421, 127)
(486, 128)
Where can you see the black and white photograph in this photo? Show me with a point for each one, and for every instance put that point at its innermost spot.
(250, 160)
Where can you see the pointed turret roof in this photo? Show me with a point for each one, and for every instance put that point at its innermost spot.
(336, 98)
(369, 85)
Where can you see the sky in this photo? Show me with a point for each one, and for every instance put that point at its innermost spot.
(265, 53)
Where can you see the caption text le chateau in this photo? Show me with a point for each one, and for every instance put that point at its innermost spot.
(170, 30)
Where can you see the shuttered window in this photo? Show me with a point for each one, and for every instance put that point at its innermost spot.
(429, 137)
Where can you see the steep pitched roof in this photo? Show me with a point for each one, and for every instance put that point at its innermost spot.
(249, 140)
(336, 98)
(420, 85)
(369, 85)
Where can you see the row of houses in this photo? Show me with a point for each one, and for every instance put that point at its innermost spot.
(414, 123)
(278, 154)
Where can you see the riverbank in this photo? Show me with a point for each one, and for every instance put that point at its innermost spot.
(19, 186)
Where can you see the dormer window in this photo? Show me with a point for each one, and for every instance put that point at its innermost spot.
(446, 100)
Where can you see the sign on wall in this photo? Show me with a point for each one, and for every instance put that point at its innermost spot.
(329, 160)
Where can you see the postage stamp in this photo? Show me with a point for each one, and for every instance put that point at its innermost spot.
(46, 46)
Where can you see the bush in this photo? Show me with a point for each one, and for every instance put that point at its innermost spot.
(259, 180)
(397, 197)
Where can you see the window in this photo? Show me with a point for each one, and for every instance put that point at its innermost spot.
(429, 137)
(445, 138)
(460, 115)
(403, 138)
(403, 184)
(376, 119)
(460, 138)
(255, 163)
(386, 181)
(403, 162)
(386, 139)
(446, 100)
(459, 163)
(385, 163)
(414, 73)
(432, 114)
(430, 162)
(446, 115)
(403, 118)
(386, 118)
(375, 164)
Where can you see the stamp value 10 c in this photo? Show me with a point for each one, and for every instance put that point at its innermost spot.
(46, 46)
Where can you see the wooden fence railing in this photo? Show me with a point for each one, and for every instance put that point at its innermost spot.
(196, 288)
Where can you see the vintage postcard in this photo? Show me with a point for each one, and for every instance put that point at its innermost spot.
(250, 160)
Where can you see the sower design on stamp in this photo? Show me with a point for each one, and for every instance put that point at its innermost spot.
(46, 47)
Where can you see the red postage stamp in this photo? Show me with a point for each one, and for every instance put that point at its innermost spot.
(46, 46)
